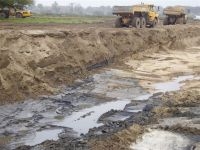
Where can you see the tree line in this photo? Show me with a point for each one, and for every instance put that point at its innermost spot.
(11, 3)
(71, 9)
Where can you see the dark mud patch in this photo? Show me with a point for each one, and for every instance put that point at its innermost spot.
(77, 109)
(92, 109)
(122, 134)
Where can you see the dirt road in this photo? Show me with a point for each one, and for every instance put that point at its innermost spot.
(116, 88)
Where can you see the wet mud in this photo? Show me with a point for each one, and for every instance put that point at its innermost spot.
(143, 98)
(95, 108)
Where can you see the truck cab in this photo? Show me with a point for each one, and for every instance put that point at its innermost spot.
(152, 13)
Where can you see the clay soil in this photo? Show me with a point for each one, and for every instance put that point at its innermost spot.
(36, 60)
(40, 60)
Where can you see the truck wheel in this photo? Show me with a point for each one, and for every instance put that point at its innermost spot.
(143, 22)
(172, 20)
(19, 15)
(7, 15)
(179, 21)
(3, 15)
(166, 21)
(118, 23)
(185, 18)
(136, 22)
(184, 21)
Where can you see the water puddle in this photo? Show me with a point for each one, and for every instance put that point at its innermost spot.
(162, 140)
(143, 97)
(134, 108)
(80, 122)
(43, 136)
(158, 139)
(85, 119)
(173, 85)
(37, 138)
(116, 85)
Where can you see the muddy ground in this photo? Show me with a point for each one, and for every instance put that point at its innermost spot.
(100, 88)
(36, 62)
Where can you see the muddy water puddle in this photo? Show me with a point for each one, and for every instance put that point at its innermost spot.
(175, 84)
(79, 107)
(158, 139)
(85, 119)
(39, 136)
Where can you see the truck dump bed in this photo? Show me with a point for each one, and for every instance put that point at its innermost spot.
(177, 10)
(130, 9)
(122, 9)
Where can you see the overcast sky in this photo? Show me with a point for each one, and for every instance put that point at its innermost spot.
(86, 3)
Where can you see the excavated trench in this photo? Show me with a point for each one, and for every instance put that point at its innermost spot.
(36, 62)
(106, 97)
(88, 107)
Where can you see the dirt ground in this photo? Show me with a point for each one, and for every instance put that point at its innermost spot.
(111, 65)
(36, 61)
(107, 23)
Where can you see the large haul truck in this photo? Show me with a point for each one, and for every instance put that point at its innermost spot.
(139, 16)
(175, 15)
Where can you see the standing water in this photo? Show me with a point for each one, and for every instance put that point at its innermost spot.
(85, 119)
(173, 85)
(118, 85)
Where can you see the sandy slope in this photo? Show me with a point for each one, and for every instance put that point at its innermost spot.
(35, 62)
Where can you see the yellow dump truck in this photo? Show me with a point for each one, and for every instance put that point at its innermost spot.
(6, 12)
(22, 13)
(175, 15)
(139, 16)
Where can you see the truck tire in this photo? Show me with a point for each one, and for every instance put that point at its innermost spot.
(184, 21)
(165, 21)
(7, 15)
(143, 22)
(118, 22)
(19, 15)
(3, 15)
(172, 20)
(179, 20)
(136, 22)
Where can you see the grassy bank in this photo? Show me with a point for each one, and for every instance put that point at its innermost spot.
(55, 19)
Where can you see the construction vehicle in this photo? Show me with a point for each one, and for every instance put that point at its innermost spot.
(18, 12)
(175, 15)
(22, 13)
(139, 16)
